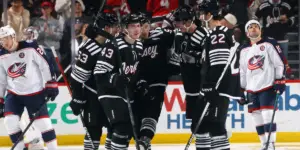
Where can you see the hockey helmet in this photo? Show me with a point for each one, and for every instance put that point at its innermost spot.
(145, 17)
(251, 22)
(210, 6)
(184, 13)
(275, 2)
(30, 33)
(131, 18)
(106, 19)
(7, 31)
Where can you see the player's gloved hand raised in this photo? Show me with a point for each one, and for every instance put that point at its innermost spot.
(77, 106)
(119, 81)
(279, 85)
(51, 90)
(1, 107)
(209, 91)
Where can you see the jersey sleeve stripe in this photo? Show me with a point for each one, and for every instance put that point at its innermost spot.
(80, 76)
(102, 63)
(82, 70)
(195, 40)
(96, 51)
(199, 33)
(219, 63)
(121, 42)
(90, 45)
(123, 46)
(288, 6)
(93, 48)
(140, 47)
(216, 51)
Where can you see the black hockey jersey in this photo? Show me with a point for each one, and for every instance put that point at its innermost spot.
(270, 14)
(218, 50)
(194, 45)
(108, 65)
(82, 73)
(157, 59)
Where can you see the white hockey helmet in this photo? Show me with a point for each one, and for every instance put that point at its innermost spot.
(30, 33)
(7, 31)
(251, 22)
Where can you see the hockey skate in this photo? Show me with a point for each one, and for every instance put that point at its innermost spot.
(36, 144)
(144, 143)
(270, 147)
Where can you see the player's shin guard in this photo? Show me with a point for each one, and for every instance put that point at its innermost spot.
(203, 141)
(259, 123)
(95, 133)
(220, 143)
(48, 133)
(12, 125)
(121, 136)
(267, 116)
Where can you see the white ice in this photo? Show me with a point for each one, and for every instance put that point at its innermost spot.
(243, 146)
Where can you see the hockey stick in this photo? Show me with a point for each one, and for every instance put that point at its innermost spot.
(272, 120)
(232, 54)
(34, 117)
(126, 88)
(69, 89)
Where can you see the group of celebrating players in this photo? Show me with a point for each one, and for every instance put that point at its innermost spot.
(119, 78)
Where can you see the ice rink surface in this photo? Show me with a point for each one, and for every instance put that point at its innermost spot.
(244, 146)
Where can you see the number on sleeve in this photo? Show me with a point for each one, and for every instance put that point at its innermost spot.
(82, 57)
(217, 39)
(107, 53)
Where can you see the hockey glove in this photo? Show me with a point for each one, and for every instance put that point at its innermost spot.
(119, 81)
(279, 85)
(209, 91)
(77, 106)
(243, 100)
(51, 90)
(142, 87)
(1, 107)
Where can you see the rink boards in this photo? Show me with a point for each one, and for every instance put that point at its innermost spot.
(173, 127)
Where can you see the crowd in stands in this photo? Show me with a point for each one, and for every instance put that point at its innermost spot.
(52, 18)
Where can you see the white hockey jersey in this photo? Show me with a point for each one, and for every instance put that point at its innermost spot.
(260, 65)
(24, 71)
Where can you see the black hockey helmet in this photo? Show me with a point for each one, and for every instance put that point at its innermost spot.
(145, 17)
(184, 13)
(210, 6)
(131, 18)
(106, 19)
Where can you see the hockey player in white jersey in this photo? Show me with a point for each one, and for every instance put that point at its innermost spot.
(28, 80)
(262, 76)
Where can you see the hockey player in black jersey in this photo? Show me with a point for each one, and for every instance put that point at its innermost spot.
(111, 82)
(220, 69)
(157, 63)
(84, 91)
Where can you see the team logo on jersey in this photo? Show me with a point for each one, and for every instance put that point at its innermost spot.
(16, 70)
(21, 55)
(256, 62)
(262, 48)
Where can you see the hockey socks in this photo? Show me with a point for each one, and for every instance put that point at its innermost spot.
(267, 117)
(95, 133)
(259, 123)
(220, 143)
(48, 133)
(148, 127)
(108, 139)
(203, 141)
(14, 131)
(119, 142)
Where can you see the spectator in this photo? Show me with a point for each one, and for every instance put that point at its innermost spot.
(49, 31)
(277, 17)
(63, 8)
(252, 7)
(17, 17)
